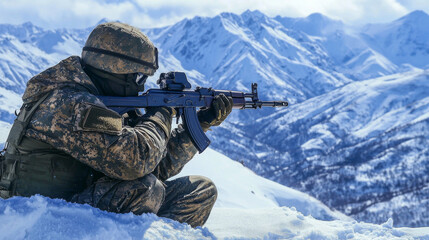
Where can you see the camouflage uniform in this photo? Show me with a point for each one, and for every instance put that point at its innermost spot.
(129, 165)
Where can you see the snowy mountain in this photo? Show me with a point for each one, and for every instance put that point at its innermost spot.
(25, 50)
(403, 41)
(363, 138)
(248, 207)
(232, 51)
(361, 149)
(273, 144)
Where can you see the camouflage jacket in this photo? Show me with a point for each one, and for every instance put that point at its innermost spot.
(118, 151)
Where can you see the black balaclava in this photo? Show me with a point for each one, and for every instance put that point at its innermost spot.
(111, 84)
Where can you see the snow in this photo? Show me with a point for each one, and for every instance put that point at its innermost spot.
(287, 223)
(4, 130)
(9, 100)
(43, 218)
(403, 40)
(273, 212)
(238, 187)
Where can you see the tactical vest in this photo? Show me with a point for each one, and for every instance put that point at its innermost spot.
(33, 167)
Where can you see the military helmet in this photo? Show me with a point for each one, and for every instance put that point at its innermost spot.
(121, 49)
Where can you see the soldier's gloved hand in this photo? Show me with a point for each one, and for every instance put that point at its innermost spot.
(162, 116)
(132, 117)
(214, 115)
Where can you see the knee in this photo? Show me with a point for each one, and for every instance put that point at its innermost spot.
(150, 194)
(150, 183)
(139, 196)
(152, 187)
(204, 184)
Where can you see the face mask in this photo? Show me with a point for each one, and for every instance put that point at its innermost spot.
(122, 85)
(133, 84)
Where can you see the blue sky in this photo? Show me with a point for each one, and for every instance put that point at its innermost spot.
(156, 13)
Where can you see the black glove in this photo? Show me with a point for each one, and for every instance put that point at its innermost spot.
(132, 117)
(214, 115)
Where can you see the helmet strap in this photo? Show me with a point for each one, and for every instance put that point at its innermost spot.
(154, 66)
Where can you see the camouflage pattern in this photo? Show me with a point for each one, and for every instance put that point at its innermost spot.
(127, 154)
(135, 161)
(143, 195)
(187, 199)
(180, 150)
(119, 38)
(68, 73)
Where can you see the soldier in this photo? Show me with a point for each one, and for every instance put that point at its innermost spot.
(66, 144)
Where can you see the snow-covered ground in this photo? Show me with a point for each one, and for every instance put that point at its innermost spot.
(248, 207)
(43, 218)
(240, 188)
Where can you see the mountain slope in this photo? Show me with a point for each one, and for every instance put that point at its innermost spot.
(360, 149)
(238, 187)
(232, 51)
(26, 50)
(348, 50)
(403, 41)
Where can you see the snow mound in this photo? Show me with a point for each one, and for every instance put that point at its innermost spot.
(238, 187)
(287, 223)
(44, 218)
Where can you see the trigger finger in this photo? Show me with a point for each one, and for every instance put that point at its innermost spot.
(225, 111)
(217, 107)
(230, 105)
(222, 106)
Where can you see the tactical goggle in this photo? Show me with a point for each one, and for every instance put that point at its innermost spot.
(140, 78)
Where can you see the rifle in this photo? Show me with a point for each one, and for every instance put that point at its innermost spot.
(175, 91)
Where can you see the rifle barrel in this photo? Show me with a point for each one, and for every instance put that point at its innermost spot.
(259, 104)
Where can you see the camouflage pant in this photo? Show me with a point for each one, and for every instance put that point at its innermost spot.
(187, 199)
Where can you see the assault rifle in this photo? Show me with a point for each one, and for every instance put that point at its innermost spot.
(175, 91)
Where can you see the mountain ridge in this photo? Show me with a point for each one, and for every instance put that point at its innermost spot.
(358, 144)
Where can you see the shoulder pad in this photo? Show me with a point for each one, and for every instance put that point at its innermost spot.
(98, 119)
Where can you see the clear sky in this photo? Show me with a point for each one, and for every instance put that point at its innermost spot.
(156, 13)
